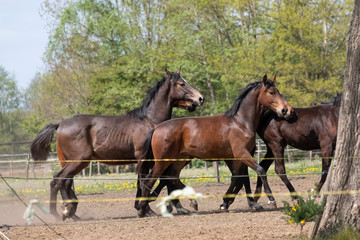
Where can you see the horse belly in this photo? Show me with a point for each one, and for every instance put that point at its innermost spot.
(305, 142)
(211, 151)
(111, 153)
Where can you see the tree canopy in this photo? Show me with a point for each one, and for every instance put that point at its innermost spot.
(103, 55)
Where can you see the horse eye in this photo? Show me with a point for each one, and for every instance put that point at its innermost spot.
(271, 92)
(182, 84)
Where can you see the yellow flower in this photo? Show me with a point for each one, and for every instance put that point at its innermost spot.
(294, 209)
(302, 221)
(291, 222)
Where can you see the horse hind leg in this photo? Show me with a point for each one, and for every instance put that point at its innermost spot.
(70, 209)
(249, 161)
(246, 182)
(265, 163)
(327, 153)
(281, 172)
(54, 189)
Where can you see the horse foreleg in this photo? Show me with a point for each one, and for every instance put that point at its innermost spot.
(227, 201)
(146, 186)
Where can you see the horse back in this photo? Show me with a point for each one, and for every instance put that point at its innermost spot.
(101, 137)
(202, 137)
(308, 129)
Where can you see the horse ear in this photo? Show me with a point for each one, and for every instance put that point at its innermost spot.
(178, 71)
(168, 73)
(265, 79)
(274, 79)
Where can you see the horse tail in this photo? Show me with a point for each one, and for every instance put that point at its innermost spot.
(144, 166)
(40, 146)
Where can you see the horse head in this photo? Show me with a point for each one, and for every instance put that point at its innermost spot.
(271, 98)
(182, 94)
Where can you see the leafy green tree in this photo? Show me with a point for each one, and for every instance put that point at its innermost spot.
(11, 113)
(102, 55)
(9, 98)
(306, 46)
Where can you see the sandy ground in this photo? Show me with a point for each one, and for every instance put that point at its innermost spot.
(106, 216)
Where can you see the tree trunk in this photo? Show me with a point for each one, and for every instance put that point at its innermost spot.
(343, 210)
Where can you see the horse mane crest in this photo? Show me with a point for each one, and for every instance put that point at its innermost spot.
(335, 101)
(235, 107)
(151, 92)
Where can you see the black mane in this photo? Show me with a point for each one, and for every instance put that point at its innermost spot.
(141, 111)
(151, 93)
(335, 101)
(235, 107)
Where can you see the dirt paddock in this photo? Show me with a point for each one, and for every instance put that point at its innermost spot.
(116, 219)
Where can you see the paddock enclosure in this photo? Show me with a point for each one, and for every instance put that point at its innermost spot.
(107, 200)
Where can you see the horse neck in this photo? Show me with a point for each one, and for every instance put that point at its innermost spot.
(160, 107)
(250, 111)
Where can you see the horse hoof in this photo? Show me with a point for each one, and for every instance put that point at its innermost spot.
(150, 213)
(223, 208)
(272, 204)
(256, 206)
(182, 210)
(75, 218)
(194, 205)
(170, 208)
(66, 211)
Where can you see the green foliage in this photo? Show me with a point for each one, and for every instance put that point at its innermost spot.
(346, 234)
(103, 55)
(304, 211)
(11, 114)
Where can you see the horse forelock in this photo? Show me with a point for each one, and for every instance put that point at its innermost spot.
(269, 84)
(237, 103)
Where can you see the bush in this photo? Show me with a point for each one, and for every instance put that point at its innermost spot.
(303, 211)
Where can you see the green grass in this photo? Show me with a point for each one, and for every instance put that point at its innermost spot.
(127, 181)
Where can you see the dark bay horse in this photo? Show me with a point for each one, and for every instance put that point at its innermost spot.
(95, 137)
(309, 129)
(228, 135)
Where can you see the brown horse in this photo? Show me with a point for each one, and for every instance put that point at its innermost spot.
(95, 137)
(308, 129)
(228, 135)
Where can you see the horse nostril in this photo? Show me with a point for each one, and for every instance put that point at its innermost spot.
(284, 111)
(201, 99)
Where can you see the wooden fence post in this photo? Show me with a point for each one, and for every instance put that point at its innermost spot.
(288, 152)
(259, 151)
(98, 168)
(216, 167)
(90, 168)
(27, 167)
(11, 169)
(117, 169)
